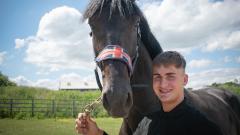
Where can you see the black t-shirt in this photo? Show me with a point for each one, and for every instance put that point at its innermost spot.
(182, 120)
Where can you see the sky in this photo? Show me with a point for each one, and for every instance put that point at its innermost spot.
(45, 42)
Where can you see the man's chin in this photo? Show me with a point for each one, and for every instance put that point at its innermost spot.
(165, 98)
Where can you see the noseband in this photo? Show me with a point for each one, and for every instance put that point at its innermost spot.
(116, 52)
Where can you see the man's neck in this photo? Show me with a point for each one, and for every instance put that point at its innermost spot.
(167, 107)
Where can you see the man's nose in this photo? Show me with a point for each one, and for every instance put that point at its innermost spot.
(163, 83)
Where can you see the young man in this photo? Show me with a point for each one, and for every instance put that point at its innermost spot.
(177, 117)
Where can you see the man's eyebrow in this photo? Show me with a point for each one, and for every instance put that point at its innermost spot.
(170, 74)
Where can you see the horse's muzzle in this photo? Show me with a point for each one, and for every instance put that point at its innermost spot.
(118, 100)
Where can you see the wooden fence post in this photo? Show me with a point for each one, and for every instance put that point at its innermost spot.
(53, 107)
(73, 108)
(11, 108)
(32, 107)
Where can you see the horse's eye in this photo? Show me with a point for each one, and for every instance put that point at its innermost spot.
(90, 34)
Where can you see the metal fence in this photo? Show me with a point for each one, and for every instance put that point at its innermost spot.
(48, 107)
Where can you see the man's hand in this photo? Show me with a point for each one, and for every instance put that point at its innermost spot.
(86, 126)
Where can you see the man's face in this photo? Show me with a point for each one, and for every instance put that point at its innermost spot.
(169, 82)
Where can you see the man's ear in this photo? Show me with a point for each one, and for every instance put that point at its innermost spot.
(185, 81)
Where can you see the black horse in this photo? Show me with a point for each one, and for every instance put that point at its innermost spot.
(124, 47)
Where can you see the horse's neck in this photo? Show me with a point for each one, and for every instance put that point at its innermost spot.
(144, 99)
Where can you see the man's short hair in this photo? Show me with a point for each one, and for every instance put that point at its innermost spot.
(170, 58)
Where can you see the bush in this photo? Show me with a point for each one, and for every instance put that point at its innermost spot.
(99, 112)
(4, 114)
(4, 81)
(22, 115)
(234, 87)
(40, 115)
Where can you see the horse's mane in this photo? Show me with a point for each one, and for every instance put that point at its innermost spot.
(126, 8)
(148, 39)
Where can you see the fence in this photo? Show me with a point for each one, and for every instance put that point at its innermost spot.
(46, 107)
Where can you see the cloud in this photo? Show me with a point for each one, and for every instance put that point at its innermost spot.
(47, 83)
(19, 43)
(194, 23)
(199, 63)
(201, 79)
(2, 56)
(62, 42)
(238, 59)
(80, 81)
(43, 83)
(227, 59)
(22, 81)
(224, 41)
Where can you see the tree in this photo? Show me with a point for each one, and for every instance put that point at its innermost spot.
(4, 81)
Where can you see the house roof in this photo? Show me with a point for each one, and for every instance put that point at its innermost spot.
(77, 85)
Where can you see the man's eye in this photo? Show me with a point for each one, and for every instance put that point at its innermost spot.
(156, 78)
(171, 77)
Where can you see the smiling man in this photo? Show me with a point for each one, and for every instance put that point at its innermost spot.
(169, 79)
(176, 117)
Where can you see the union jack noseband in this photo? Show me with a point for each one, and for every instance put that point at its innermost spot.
(117, 53)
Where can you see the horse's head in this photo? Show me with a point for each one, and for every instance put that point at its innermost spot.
(115, 27)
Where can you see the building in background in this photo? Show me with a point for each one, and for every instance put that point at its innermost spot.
(77, 85)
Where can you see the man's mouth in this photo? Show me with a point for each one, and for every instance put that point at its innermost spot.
(165, 92)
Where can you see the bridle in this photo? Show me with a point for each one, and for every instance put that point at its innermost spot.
(116, 52)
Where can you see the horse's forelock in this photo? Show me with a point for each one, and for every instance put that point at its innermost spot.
(124, 7)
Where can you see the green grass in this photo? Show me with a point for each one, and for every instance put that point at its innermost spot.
(110, 125)
(53, 126)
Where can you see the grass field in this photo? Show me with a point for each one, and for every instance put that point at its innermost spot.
(53, 126)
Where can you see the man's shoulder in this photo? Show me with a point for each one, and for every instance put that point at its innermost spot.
(199, 122)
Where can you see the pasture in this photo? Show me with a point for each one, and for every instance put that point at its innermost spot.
(53, 126)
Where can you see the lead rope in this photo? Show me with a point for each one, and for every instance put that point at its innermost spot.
(90, 107)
